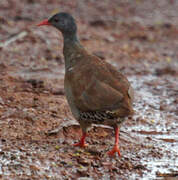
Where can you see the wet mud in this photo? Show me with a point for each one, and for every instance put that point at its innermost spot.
(37, 129)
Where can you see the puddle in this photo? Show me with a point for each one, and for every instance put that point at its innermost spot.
(154, 127)
(20, 163)
(165, 165)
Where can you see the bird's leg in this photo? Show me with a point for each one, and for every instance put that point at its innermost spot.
(81, 143)
(115, 149)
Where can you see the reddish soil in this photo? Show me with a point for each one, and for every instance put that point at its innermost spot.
(37, 129)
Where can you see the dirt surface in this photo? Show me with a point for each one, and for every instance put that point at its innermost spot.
(37, 130)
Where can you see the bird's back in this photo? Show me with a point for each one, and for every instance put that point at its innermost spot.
(98, 90)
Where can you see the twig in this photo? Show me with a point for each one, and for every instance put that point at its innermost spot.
(14, 38)
(62, 125)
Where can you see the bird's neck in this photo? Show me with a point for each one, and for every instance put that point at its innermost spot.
(71, 50)
(70, 38)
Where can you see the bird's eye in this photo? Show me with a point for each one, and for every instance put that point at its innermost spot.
(56, 20)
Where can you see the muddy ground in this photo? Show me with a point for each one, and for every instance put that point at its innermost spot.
(37, 129)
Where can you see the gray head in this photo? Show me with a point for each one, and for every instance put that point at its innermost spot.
(63, 22)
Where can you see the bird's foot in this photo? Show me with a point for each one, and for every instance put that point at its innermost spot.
(114, 150)
(80, 144)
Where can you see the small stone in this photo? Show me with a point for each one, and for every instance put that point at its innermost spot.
(84, 178)
(83, 161)
(1, 101)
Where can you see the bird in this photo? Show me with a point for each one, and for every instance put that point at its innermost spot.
(96, 91)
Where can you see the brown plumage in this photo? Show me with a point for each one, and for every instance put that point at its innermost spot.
(96, 92)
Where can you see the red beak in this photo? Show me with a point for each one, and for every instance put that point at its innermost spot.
(45, 22)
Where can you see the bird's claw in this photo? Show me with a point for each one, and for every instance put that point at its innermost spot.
(79, 144)
(114, 150)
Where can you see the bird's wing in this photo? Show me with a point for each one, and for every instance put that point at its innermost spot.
(96, 88)
(99, 96)
(122, 79)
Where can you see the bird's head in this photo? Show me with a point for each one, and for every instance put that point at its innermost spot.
(63, 22)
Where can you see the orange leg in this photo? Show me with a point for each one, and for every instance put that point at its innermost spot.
(81, 143)
(115, 149)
